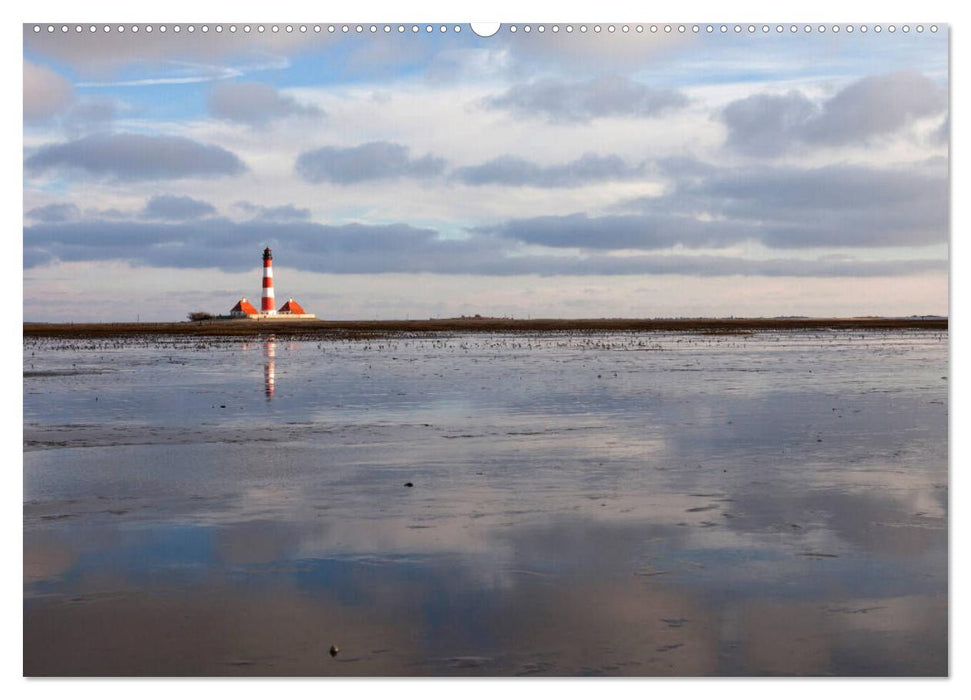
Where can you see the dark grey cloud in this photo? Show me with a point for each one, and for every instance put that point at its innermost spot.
(653, 231)
(128, 157)
(285, 212)
(763, 125)
(370, 161)
(605, 96)
(168, 207)
(871, 107)
(111, 213)
(55, 213)
(834, 205)
(357, 248)
(90, 115)
(35, 257)
(875, 105)
(514, 171)
(229, 245)
(707, 207)
(255, 104)
(684, 167)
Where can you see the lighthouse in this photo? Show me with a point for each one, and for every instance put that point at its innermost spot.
(290, 311)
(268, 307)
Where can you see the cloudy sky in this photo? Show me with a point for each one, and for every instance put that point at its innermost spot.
(409, 175)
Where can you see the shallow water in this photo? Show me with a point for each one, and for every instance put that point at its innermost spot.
(586, 504)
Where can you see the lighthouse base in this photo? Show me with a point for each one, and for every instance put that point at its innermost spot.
(279, 317)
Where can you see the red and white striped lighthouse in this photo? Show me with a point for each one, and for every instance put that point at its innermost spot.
(268, 306)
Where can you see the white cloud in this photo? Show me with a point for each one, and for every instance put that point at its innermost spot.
(46, 94)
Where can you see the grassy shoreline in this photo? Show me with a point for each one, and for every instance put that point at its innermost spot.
(349, 329)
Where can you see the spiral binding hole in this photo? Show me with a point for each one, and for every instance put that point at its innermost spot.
(751, 29)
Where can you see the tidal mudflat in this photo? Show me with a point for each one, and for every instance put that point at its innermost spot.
(632, 503)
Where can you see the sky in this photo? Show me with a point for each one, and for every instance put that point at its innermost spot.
(527, 174)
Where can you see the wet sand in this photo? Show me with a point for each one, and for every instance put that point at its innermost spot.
(768, 503)
(355, 329)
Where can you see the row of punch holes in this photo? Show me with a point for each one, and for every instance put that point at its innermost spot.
(512, 28)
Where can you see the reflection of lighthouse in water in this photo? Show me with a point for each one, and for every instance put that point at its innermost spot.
(269, 367)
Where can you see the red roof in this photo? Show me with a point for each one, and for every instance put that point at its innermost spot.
(291, 307)
(243, 306)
